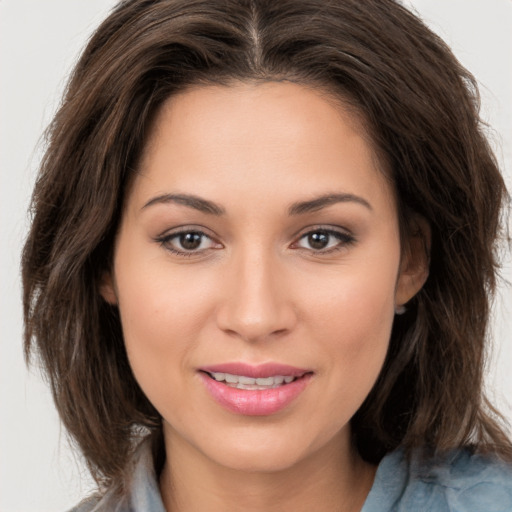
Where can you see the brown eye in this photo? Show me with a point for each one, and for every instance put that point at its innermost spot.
(190, 241)
(187, 243)
(324, 240)
(318, 240)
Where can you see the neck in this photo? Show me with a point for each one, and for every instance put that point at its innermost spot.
(328, 480)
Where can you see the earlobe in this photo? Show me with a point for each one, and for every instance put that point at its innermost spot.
(414, 267)
(107, 289)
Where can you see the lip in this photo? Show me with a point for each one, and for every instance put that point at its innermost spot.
(256, 402)
(256, 371)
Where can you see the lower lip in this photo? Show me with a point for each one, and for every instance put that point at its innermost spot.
(255, 402)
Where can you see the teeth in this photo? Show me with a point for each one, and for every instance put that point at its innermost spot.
(244, 382)
(268, 381)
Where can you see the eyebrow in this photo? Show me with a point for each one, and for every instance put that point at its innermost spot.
(191, 201)
(318, 203)
(298, 208)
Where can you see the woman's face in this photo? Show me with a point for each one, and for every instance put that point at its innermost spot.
(259, 240)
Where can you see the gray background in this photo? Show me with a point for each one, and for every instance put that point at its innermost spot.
(39, 41)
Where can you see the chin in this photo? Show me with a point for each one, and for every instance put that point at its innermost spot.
(257, 459)
(270, 450)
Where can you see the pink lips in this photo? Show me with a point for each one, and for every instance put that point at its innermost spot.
(257, 402)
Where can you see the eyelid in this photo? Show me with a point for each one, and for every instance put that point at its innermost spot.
(344, 236)
(165, 238)
(330, 228)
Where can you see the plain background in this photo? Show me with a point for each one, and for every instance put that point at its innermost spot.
(39, 41)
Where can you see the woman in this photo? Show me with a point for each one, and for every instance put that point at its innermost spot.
(261, 261)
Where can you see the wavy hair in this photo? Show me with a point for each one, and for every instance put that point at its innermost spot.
(421, 110)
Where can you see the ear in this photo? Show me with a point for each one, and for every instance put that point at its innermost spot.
(414, 267)
(107, 288)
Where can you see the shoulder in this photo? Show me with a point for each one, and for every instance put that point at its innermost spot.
(466, 481)
(86, 505)
(461, 481)
(108, 502)
(142, 493)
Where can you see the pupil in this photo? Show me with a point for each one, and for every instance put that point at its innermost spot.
(190, 240)
(318, 240)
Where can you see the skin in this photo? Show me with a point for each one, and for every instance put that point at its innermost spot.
(256, 290)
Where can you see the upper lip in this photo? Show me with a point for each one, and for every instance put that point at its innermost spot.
(255, 371)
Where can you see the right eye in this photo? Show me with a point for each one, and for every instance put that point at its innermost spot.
(187, 242)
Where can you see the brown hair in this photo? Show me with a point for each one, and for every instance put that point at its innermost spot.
(421, 109)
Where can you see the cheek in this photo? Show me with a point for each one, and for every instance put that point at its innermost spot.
(157, 302)
(354, 303)
(162, 313)
(352, 314)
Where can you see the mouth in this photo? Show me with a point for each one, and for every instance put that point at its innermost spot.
(252, 383)
(255, 390)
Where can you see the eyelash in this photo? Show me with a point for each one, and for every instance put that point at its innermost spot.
(343, 238)
(165, 241)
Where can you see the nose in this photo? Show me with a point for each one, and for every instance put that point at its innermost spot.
(256, 301)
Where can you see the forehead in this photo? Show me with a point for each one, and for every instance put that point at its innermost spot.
(257, 137)
(284, 106)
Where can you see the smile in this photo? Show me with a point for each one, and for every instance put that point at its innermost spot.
(251, 383)
(254, 390)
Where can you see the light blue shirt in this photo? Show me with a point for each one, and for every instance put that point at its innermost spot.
(461, 482)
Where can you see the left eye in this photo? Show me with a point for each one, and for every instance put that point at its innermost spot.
(323, 240)
(187, 242)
